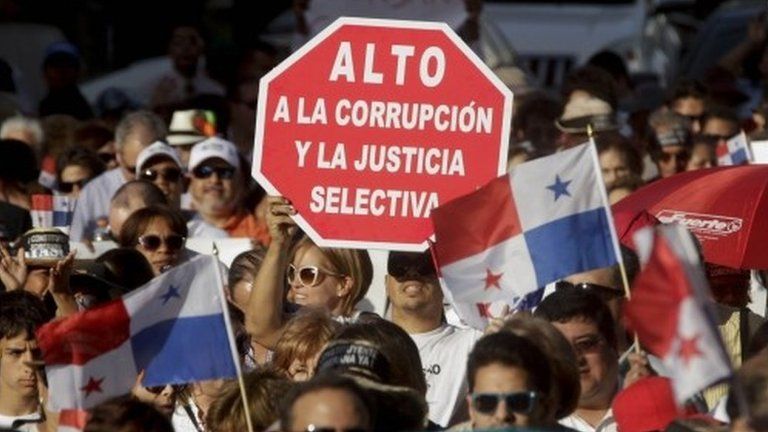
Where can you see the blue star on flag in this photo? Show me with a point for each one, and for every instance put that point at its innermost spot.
(172, 292)
(560, 187)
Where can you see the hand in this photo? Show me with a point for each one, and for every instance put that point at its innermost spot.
(13, 271)
(281, 226)
(638, 368)
(496, 323)
(58, 281)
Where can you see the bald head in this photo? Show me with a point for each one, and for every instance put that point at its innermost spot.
(132, 196)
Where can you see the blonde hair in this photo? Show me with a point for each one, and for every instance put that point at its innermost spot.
(305, 335)
(265, 388)
(355, 263)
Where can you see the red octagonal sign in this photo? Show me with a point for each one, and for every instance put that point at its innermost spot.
(372, 124)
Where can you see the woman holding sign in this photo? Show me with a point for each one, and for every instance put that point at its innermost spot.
(330, 278)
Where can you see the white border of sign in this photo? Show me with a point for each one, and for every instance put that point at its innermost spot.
(371, 22)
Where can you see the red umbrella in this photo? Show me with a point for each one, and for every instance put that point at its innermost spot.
(725, 207)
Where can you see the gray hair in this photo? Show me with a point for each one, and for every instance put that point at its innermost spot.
(146, 192)
(27, 124)
(131, 122)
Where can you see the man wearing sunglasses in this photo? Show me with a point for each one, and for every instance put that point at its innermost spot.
(134, 132)
(509, 384)
(217, 187)
(416, 305)
(670, 143)
(585, 321)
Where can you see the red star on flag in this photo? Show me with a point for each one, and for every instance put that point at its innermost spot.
(484, 309)
(689, 348)
(94, 385)
(492, 280)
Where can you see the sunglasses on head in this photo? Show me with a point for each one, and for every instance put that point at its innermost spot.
(177, 388)
(205, 171)
(518, 402)
(67, 187)
(307, 276)
(605, 293)
(152, 242)
(168, 174)
(410, 266)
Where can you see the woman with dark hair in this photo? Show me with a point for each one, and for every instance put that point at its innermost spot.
(618, 159)
(159, 233)
(75, 167)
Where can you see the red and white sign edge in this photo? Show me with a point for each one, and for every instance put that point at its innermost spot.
(319, 38)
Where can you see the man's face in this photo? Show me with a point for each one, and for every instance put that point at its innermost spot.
(690, 107)
(326, 408)
(673, 160)
(414, 294)
(597, 362)
(497, 378)
(185, 48)
(720, 128)
(614, 166)
(212, 192)
(17, 374)
(167, 176)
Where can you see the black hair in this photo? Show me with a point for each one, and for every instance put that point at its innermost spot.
(720, 112)
(323, 381)
(612, 63)
(593, 80)
(509, 349)
(687, 88)
(80, 156)
(573, 303)
(612, 140)
(21, 311)
(124, 414)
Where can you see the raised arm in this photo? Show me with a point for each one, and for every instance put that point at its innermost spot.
(264, 313)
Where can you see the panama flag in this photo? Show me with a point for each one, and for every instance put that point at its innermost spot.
(545, 220)
(670, 311)
(735, 151)
(175, 328)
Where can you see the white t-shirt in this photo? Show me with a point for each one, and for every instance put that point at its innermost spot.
(573, 421)
(6, 422)
(199, 228)
(93, 203)
(444, 353)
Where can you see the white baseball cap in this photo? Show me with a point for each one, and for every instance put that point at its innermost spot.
(157, 148)
(214, 147)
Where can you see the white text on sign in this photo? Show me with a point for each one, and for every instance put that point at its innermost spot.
(344, 65)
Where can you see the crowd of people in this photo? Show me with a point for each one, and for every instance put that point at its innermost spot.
(149, 178)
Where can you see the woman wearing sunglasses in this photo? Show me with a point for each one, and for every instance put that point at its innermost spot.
(76, 167)
(301, 272)
(159, 233)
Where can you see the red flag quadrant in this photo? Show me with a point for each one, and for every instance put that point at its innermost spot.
(669, 311)
(396, 118)
(546, 220)
(173, 329)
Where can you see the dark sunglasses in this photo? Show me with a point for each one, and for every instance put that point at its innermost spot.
(683, 155)
(205, 171)
(604, 292)
(107, 158)
(518, 402)
(177, 388)
(152, 242)
(169, 174)
(307, 276)
(405, 266)
(67, 187)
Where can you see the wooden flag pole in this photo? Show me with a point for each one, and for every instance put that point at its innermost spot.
(619, 258)
(231, 337)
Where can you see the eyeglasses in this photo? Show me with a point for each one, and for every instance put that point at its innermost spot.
(177, 388)
(519, 402)
(169, 174)
(107, 158)
(152, 242)
(403, 267)
(308, 276)
(587, 344)
(679, 156)
(205, 171)
(67, 187)
(604, 292)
